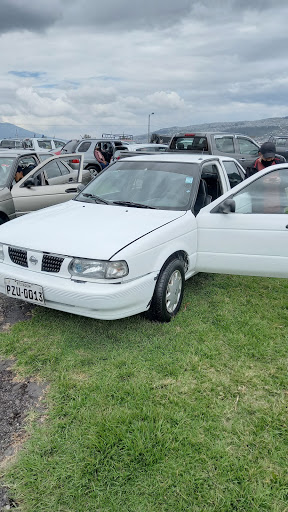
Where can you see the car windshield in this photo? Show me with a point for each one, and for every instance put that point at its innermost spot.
(6, 165)
(161, 185)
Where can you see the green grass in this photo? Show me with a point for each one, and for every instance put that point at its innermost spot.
(148, 417)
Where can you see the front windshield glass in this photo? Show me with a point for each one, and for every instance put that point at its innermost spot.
(6, 165)
(161, 185)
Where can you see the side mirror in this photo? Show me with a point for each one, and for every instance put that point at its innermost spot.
(228, 206)
(29, 183)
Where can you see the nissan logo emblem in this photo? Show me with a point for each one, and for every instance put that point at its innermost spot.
(33, 260)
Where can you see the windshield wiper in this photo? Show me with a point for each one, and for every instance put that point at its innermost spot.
(97, 198)
(134, 205)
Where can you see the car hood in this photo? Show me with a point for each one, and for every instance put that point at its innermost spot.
(83, 229)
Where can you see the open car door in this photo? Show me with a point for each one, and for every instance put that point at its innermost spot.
(51, 182)
(246, 231)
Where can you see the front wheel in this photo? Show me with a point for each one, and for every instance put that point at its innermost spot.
(168, 293)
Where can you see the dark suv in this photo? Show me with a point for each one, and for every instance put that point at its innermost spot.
(88, 146)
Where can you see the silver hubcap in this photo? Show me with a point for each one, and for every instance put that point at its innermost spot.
(173, 291)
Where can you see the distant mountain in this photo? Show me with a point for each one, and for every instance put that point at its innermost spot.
(11, 131)
(260, 129)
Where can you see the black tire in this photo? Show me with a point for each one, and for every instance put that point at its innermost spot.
(167, 297)
(94, 170)
(3, 219)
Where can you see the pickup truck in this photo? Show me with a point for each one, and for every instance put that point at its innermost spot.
(241, 147)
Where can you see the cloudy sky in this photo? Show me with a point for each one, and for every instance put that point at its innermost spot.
(70, 67)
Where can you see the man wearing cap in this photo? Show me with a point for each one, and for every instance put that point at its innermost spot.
(266, 158)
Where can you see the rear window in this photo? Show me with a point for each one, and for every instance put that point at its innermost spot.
(84, 147)
(70, 146)
(190, 143)
(44, 144)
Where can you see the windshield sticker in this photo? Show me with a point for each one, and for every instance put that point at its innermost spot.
(189, 179)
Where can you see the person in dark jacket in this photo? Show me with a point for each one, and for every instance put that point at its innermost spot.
(266, 158)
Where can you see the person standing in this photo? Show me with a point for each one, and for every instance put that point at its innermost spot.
(99, 156)
(266, 158)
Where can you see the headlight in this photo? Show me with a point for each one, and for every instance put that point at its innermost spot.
(98, 269)
(1, 252)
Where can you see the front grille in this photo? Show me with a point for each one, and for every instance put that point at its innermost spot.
(51, 263)
(18, 256)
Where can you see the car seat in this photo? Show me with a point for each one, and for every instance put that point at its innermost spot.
(203, 198)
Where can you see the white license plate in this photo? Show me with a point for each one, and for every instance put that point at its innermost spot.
(24, 291)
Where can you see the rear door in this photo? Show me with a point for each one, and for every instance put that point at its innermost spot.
(253, 240)
(38, 190)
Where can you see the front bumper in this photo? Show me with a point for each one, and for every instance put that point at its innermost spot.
(102, 301)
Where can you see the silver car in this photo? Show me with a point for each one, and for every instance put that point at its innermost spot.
(87, 147)
(43, 184)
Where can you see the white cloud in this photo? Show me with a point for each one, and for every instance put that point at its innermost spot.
(94, 67)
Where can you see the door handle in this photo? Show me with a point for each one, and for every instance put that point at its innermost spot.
(242, 159)
(71, 190)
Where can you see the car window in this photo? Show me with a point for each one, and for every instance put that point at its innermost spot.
(44, 156)
(235, 175)
(8, 144)
(210, 174)
(59, 143)
(6, 165)
(26, 164)
(70, 146)
(44, 144)
(225, 144)
(191, 142)
(247, 147)
(281, 142)
(63, 168)
(84, 147)
(268, 194)
(52, 170)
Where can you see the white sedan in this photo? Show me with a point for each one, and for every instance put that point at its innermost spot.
(129, 240)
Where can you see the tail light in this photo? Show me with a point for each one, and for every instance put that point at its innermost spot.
(75, 161)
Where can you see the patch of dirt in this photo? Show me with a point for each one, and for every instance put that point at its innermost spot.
(17, 397)
(12, 311)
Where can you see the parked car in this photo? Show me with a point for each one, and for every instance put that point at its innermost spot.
(132, 149)
(40, 143)
(241, 147)
(281, 144)
(88, 147)
(44, 184)
(126, 243)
